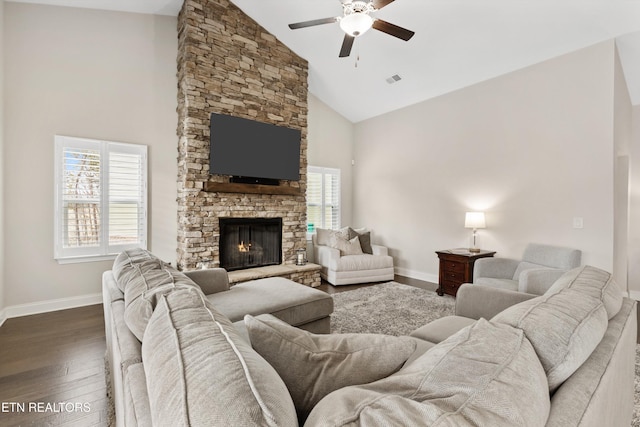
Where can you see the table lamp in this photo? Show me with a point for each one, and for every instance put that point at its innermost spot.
(474, 220)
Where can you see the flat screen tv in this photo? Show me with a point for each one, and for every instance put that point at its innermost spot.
(248, 149)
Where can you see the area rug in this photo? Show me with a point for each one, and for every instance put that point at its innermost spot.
(396, 309)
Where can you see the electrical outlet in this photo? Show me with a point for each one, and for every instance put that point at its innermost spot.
(578, 222)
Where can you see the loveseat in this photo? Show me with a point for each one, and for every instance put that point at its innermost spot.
(347, 257)
(565, 358)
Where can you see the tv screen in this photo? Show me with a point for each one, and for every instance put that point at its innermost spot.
(247, 148)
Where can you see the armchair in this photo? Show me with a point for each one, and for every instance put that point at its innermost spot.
(339, 268)
(539, 268)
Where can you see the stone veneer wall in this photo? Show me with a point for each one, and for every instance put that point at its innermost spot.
(228, 64)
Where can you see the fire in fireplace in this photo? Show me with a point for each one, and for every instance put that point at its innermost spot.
(250, 242)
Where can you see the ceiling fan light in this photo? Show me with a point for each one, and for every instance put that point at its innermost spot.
(356, 24)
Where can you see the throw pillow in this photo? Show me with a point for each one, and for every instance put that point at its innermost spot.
(323, 235)
(484, 375)
(346, 247)
(364, 237)
(563, 327)
(201, 372)
(313, 366)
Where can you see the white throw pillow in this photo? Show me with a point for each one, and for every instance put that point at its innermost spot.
(346, 247)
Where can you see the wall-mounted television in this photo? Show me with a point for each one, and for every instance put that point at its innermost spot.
(248, 149)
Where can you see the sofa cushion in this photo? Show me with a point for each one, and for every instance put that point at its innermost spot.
(146, 282)
(361, 262)
(485, 375)
(314, 365)
(201, 373)
(594, 282)
(563, 327)
(124, 262)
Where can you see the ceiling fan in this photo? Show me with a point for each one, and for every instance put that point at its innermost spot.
(356, 20)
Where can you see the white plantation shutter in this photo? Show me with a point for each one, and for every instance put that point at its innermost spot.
(101, 198)
(323, 198)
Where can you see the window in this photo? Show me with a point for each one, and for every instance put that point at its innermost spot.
(100, 198)
(323, 198)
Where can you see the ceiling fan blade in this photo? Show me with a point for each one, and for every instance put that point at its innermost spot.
(347, 43)
(313, 23)
(393, 30)
(379, 4)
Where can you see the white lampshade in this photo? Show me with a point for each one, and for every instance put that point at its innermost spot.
(356, 24)
(474, 220)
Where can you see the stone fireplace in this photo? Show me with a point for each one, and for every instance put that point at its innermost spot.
(250, 242)
(228, 64)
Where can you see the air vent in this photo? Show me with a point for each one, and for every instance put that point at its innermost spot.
(393, 79)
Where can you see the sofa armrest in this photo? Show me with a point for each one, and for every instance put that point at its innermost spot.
(478, 301)
(325, 255)
(498, 268)
(211, 280)
(538, 280)
(379, 250)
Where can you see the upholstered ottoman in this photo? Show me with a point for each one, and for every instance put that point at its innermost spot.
(291, 302)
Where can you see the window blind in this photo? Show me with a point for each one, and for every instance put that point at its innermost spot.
(323, 198)
(101, 197)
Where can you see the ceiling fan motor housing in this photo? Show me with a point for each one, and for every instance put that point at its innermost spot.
(356, 20)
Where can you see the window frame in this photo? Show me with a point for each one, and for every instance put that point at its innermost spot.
(104, 250)
(324, 171)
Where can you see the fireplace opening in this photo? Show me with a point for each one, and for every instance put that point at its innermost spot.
(250, 242)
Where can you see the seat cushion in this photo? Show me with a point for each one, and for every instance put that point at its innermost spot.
(485, 375)
(289, 301)
(523, 266)
(361, 262)
(200, 372)
(314, 365)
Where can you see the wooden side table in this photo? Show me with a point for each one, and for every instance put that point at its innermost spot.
(456, 268)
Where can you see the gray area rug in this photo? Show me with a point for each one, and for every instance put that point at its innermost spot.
(396, 309)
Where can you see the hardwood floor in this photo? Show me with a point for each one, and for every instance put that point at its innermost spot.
(57, 359)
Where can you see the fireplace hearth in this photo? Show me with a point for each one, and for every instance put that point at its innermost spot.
(250, 242)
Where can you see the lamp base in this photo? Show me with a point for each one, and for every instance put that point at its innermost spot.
(474, 250)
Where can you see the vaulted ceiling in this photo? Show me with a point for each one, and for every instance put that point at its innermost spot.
(457, 43)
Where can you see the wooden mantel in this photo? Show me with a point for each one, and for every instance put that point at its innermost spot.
(232, 187)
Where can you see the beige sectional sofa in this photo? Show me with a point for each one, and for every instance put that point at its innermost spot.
(139, 280)
(506, 358)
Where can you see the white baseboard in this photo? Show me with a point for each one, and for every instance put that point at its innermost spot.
(416, 275)
(634, 295)
(49, 305)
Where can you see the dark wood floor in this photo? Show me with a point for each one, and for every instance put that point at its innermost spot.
(59, 357)
(55, 358)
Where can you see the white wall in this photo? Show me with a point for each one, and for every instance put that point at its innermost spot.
(622, 120)
(2, 313)
(330, 141)
(634, 205)
(88, 73)
(533, 149)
